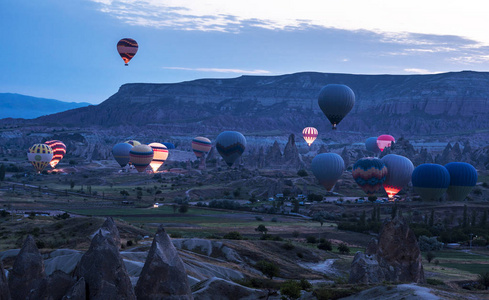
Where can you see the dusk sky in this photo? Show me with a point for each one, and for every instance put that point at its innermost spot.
(66, 49)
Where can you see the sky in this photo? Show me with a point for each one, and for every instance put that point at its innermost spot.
(66, 49)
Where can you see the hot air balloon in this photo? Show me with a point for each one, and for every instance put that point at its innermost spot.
(430, 181)
(133, 142)
(160, 155)
(59, 151)
(230, 144)
(169, 145)
(336, 101)
(384, 141)
(327, 167)
(369, 173)
(309, 134)
(463, 177)
(121, 153)
(371, 145)
(201, 146)
(40, 155)
(141, 156)
(399, 171)
(127, 48)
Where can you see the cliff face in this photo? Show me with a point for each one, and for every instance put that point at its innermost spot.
(401, 104)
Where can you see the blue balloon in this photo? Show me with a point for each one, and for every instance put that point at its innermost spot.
(463, 177)
(336, 101)
(169, 145)
(371, 145)
(430, 181)
(121, 153)
(328, 167)
(230, 144)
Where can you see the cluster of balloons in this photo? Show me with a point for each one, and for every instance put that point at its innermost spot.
(51, 152)
(378, 144)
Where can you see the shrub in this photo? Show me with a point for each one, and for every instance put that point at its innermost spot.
(291, 289)
(129, 243)
(305, 285)
(302, 173)
(295, 234)
(274, 220)
(343, 248)
(233, 235)
(258, 218)
(300, 255)
(288, 246)
(311, 239)
(483, 279)
(429, 243)
(326, 246)
(268, 269)
(429, 256)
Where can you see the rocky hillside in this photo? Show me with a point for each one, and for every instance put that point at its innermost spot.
(400, 104)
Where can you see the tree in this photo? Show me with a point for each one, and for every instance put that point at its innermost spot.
(183, 208)
(2, 172)
(261, 228)
(483, 221)
(124, 193)
(291, 289)
(326, 246)
(343, 248)
(72, 184)
(233, 235)
(296, 204)
(363, 219)
(429, 256)
(465, 217)
(268, 269)
(432, 218)
(484, 279)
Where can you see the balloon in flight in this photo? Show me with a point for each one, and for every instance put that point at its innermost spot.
(201, 146)
(430, 181)
(141, 156)
(40, 156)
(336, 101)
(169, 145)
(59, 151)
(160, 155)
(463, 178)
(309, 134)
(369, 173)
(371, 145)
(230, 144)
(328, 167)
(399, 171)
(133, 142)
(385, 141)
(127, 48)
(121, 153)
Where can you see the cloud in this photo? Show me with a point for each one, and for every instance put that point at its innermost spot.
(418, 71)
(391, 18)
(218, 70)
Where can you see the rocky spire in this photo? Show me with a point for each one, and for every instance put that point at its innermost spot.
(163, 275)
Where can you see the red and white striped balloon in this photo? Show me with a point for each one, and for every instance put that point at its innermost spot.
(309, 134)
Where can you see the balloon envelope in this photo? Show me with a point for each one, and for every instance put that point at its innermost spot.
(309, 134)
(141, 156)
(371, 145)
(121, 153)
(127, 48)
(230, 144)
(40, 155)
(169, 145)
(385, 141)
(336, 101)
(399, 172)
(160, 154)
(201, 146)
(133, 142)
(430, 181)
(463, 178)
(369, 173)
(327, 167)
(59, 151)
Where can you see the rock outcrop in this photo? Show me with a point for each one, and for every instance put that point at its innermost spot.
(27, 280)
(394, 257)
(104, 271)
(77, 292)
(4, 291)
(59, 283)
(163, 275)
(220, 289)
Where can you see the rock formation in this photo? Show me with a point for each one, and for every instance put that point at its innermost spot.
(27, 280)
(163, 275)
(220, 289)
(104, 272)
(394, 257)
(110, 229)
(4, 291)
(77, 292)
(291, 153)
(59, 283)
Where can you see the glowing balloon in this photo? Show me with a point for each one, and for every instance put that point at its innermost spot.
(371, 145)
(40, 155)
(369, 173)
(463, 178)
(160, 155)
(133, 142)
(384, 141)
(336, 101)
(141, 156)
(399, 171)
(59, 151)
(430, 181)
(328, 167)
(127, 48)
(201, 146)
(309, 134)
(230, 144)
(121, 153)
